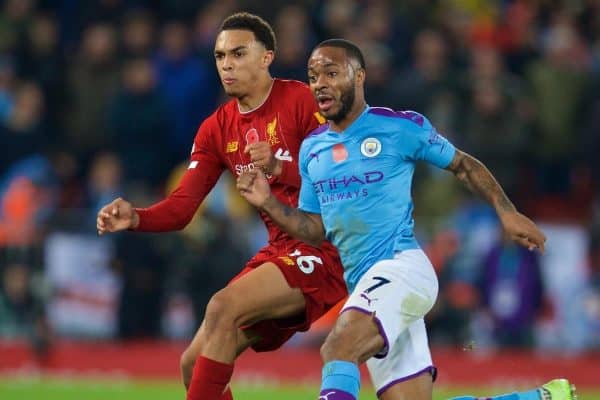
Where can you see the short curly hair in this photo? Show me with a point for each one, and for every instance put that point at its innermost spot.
(253, 23)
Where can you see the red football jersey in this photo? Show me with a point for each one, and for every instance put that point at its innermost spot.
(286, 117)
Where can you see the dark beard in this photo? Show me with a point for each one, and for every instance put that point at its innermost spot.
(347, 100)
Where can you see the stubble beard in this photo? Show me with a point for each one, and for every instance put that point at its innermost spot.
(346, 101)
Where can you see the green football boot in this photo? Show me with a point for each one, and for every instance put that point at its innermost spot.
(558, 389)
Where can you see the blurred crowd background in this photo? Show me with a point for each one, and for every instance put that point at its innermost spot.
(102, 98)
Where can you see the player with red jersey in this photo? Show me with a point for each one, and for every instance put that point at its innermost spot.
(288, 284)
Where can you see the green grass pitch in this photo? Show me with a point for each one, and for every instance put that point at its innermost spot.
(119, 389)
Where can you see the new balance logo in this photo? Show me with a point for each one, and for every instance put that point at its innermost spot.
(283, 155)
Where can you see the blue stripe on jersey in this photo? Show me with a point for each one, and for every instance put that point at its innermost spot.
(360, 182)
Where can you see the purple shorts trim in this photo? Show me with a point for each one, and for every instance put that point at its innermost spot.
(386, 345)
(431, 369)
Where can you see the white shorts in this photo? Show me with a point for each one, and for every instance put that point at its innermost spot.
(399, 292)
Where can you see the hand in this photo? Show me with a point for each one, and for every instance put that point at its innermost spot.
(523, 231)
(117, 216)
(254, 187)
(262, 156)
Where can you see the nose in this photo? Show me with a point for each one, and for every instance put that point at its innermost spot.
(226, 63)
(320, 83)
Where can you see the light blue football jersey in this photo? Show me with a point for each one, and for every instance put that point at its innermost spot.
(360, 182)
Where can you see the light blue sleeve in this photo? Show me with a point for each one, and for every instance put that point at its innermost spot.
(308, 200)
(421, 141)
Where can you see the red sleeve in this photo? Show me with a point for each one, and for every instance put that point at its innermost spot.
(204, 170)
(307, 119)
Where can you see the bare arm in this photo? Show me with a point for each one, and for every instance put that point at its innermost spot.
(480, 180)
(305, 226)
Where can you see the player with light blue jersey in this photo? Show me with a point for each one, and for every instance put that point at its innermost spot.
(356, 182)
(360, 183)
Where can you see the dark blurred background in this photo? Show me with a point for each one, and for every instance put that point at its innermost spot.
(102, 98)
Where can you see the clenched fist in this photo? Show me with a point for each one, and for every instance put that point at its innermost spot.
(263, 158)
(116, 216)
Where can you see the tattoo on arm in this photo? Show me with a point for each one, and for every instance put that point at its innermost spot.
(304, 226)
(479, 179)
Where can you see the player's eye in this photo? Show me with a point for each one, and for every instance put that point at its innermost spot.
(332, 74)
(312, 78)
(239, 54)
(219, 56)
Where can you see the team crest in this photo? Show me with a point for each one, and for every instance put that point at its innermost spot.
(370, 147)
(272, 132)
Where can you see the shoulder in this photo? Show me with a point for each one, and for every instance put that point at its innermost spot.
(224, 113)
(216, 121)
(404, 117)
(406, 121)
(314, 137)
(290, 85)
(291, 90)
(320, 130)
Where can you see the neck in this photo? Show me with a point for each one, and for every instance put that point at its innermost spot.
(256, 96)
(357, 109)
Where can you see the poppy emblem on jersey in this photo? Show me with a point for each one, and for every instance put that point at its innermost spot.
(252, 136)
(370, 147)
(339, 152)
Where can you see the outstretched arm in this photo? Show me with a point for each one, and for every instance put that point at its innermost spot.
(305, 226)
(479, 179)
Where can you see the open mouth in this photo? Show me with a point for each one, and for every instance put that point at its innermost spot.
(325, 102)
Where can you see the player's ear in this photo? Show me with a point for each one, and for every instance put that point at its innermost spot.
(361, 75)
(268, 58)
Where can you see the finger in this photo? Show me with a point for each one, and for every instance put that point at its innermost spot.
(245, 181)
(249, 147)
(537, 243)
(259, 173)
(535, 235)
(104, 215)
(242, 186)
(523, 241)
(259, 162)
(115, 210)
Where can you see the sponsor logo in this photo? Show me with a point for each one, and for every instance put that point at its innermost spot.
(369, 301)
(287, 260)
(326, 395)
(346, 187)
(241, 168)
(370, 147)
(282, 155)
(339, 152)
(272, 132)
(313, 155)
(343, 182)
(231, 147)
